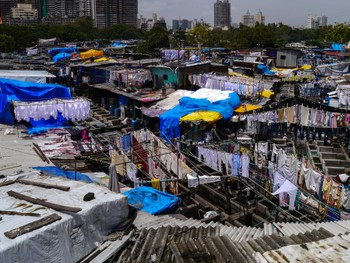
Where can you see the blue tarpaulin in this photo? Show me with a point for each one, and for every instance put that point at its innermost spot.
(118, 44)
(152, 201)
(5, 112)
(53, 170)
(170, 120)
(338, 47)
(61, 56)
(263, 69)
(15, 90)
(32, 91)
(54, 51)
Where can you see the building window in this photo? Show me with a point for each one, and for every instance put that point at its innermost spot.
(283, 57)
(165, 77)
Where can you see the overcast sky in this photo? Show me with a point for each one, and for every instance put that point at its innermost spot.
(290, 12)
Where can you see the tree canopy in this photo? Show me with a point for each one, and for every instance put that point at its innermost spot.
(17, 38)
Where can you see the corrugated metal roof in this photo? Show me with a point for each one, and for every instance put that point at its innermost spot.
(148, 221)
(336, 228)
(333, 249)
(205, 244)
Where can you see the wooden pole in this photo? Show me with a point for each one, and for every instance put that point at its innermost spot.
(44, 185)
(32, 226)
(56, 207)
(14, 213)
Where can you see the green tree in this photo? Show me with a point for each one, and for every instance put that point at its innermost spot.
(339, 33)
(155, 39)
(7, 43)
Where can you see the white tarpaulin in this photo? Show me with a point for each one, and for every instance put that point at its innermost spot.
(37, 76)
(69, 239)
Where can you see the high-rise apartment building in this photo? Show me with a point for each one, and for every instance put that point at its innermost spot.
(24, 12)
(111, 12)
(5, 10)
(222, 13)
(103, 12)
(250, 20)
(128, 10)
(247, 19)
(315, 22)
(183, 24)
(259, 18)
(84, 8)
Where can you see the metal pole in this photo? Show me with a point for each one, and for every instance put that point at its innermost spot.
(75, 168)
(228, 199)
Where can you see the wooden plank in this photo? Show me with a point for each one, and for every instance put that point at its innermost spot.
(8, 167)
(17, 213)
(32, 226)
(7, 182)
(44, 185)
(56, 207)
(41, 153)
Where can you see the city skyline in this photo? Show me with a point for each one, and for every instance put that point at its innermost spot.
(292, 13)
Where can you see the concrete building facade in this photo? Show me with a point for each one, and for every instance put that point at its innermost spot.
(250, 20)
(222, 13)
(315, 22)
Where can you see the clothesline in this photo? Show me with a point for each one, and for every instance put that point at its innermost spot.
(48, 102)
(303, 191)
(242, 86)
(75, 109)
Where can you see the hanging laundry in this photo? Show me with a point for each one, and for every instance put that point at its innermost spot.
(290, 189)
(113, 183)
(131, 169)
(75, 109)
(313, 181)
(156, 184)
(274, 154)
(126, 142)
(205, 179)
(262, 148)
(245, 165)
(225, 162)
(236, 162)
(345, 198)
(271, 168)
(192, 180)
(327, 188)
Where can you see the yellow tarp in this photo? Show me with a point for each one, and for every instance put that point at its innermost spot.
(91, 53)
(207, 116)
(103, 59)
(267, 93)
(306, 67)
(247, 107)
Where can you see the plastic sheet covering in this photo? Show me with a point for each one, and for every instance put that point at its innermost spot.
(5, 112)
(306, 67)
(31, 91)
(53, 170)
(61, 56)
(247, 107)
(69, 239)
(222, 102)
(102, 59)
(206, 116)
(43, 125)
(263, 69)
(91, 53)
(38, 76)
(152, 201)
(267, 93)
(52, 52)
